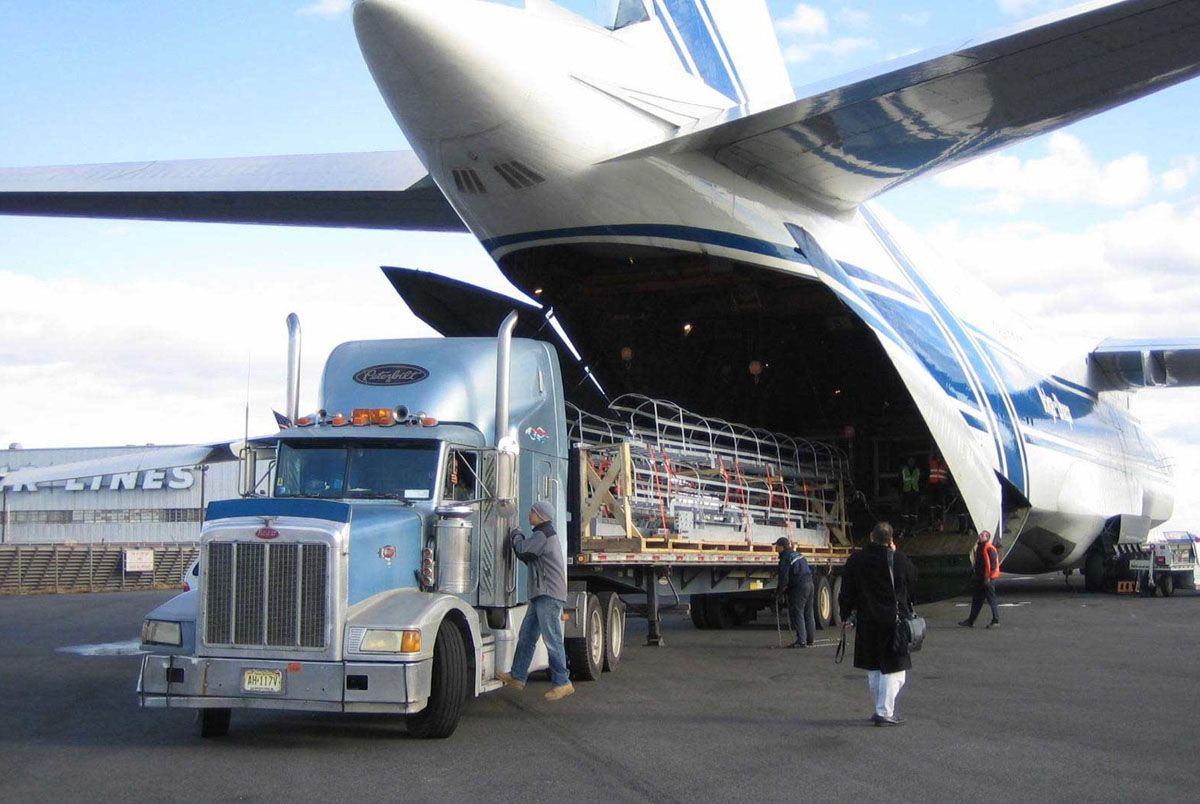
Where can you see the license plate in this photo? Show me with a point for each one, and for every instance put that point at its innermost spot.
(262, 681)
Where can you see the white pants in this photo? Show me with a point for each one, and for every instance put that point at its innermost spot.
(885, 687)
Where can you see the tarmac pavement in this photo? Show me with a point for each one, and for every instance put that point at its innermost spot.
(1076, 698)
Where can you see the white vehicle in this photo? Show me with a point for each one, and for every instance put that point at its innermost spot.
(1167, 565)
(659, 184)
(191, 576)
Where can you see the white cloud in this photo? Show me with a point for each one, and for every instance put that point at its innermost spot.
(855, 18)
(1025, 8)
(804, 52)
(1067, 174)
(326, 8)
(1177, 178)
(805, 20)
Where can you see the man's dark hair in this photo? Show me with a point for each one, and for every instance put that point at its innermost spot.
(882, 533)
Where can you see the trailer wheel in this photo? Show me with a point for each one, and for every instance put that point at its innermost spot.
(717, 613)
(1166, 584)
(613, 609)
(699, 612)
(822, 602)
(585, 657)
(448, 690)
(835, 618)
(214, 722)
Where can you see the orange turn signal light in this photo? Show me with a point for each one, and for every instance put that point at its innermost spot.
(410, 642)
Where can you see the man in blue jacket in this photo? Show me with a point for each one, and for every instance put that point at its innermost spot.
(796, 582)
(545, 555)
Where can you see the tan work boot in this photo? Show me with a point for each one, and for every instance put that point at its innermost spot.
(509, 681)
(559, 693)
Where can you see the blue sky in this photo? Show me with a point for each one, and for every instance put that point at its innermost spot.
(128, 310)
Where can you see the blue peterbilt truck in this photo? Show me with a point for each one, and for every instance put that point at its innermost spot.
(376, 575)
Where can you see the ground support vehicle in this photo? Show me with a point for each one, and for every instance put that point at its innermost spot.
(1164, 566)
(368, 568)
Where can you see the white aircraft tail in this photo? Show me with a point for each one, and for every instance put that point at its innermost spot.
(729, 44)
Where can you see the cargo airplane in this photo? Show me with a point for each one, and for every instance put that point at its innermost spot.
(705, 233)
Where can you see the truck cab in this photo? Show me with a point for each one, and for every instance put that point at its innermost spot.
(375, 575)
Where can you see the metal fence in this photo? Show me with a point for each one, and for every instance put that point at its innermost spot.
(52, 568)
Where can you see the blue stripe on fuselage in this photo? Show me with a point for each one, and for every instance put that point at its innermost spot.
(700, 45)
(1007, 434)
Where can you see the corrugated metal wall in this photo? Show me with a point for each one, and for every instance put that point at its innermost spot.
(109, 510)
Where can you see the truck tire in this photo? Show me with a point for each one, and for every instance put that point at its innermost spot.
(1166, 584)
(613, 609)
(214, 722)
(822, 601)
(1093, 573)
(699, 612)
(835, 592)
(717, 613)
(448, 688)
(585, 657)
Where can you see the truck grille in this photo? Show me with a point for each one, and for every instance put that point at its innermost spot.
(266, 595)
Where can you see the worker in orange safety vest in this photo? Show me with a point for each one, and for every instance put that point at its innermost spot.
(987, 570)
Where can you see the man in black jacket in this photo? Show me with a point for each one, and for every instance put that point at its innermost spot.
(875, 602)
(795, 581)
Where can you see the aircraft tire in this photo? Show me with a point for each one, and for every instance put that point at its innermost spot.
(448, 690)
(1093, 573)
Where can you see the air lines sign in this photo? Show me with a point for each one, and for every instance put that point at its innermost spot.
(180, 479)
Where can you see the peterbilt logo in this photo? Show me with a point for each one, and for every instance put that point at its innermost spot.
(391, 374)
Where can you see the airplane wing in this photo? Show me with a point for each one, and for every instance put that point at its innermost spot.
(381, 190)
(840, 147)
(1127, 365)
(156, 458)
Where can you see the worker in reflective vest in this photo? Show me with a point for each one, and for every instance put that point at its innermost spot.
(987, 570)
(939, 490)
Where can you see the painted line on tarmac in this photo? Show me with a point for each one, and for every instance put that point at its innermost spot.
(131, 648)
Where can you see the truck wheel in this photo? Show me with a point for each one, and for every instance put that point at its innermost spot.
(699, 612)
(822, 602)
(1166, 585)
(613, 609)
(214, 722)
(835, 617)
(1093, 573)
(585, 657)
(717, 613)
(448, 688)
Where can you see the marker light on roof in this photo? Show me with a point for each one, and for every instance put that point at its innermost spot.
(360, 417)
(338, 420)
(382, 417)
(428, 421)
(305, 421)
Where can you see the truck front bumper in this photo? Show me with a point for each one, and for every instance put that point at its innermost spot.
(198, 683)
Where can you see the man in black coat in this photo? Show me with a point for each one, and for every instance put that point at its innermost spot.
(875, 602)
(795, 582)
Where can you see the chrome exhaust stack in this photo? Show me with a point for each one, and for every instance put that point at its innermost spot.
(503, 366)
(293, 369)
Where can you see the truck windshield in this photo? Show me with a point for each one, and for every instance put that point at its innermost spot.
(358, 471)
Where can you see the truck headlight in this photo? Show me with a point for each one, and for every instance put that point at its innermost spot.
(162, 632)
(380, 641)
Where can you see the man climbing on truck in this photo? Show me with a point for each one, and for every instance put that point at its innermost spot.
(545, 554)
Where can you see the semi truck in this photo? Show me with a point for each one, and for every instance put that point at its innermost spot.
(367, 565)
